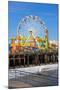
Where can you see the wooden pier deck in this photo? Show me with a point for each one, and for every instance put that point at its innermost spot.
(32, 58)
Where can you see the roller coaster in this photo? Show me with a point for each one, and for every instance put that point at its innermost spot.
(32, 43)
(29, 24)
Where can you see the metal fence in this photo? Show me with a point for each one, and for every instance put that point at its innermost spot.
(38, 79)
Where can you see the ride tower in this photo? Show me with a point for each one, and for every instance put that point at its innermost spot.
(32, 40)
(46, 39)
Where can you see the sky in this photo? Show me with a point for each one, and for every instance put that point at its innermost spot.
(47, 12)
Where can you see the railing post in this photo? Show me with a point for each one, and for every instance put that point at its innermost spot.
(20, 75)
(15, 74)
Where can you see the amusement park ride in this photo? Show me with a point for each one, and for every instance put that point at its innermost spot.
(30, 48)
(21, 42)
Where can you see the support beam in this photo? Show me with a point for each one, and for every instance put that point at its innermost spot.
(24, 60)
(28, 60)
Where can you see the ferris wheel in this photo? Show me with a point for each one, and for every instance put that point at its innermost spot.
(31, 23)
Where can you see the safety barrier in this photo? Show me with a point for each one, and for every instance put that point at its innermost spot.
(31, 78)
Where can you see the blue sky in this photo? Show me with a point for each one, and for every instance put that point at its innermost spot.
(47, 12)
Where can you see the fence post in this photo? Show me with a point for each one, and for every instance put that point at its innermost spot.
(15, 75)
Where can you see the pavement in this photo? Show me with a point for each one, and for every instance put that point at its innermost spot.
(48, 77)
